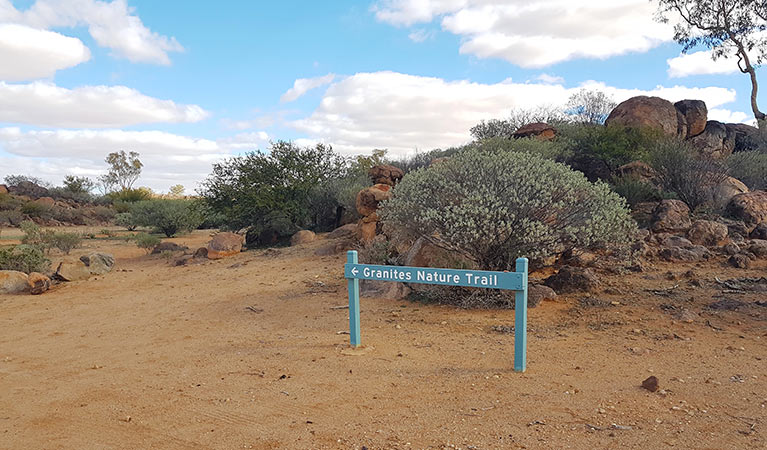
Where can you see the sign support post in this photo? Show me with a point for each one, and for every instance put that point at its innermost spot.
(354, 302)
(514, 281)
(520, 320)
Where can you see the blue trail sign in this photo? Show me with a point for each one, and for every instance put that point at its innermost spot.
(515, 281)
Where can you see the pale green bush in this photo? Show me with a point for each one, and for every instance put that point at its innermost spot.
(24, 258)
(493, 207)
(146, 241)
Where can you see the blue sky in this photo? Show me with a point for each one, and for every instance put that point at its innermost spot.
(186, 84)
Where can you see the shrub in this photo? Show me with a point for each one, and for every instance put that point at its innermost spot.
(750, 168)
(103, 213)
(34, 209)
(11, 217)
(24, 258)
(66, 242)
(247, 189)
(36, 236)
(146, 241)
(60, 193)
(598, 151)
(9, 202)
(130, 195)
(635, 190)
(682, 171)
(126, 220)
(166, 216)
(493, 207)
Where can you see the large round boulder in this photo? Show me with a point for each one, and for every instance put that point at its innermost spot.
(717, 141)
(695, 114)
(369, 198)
(3, 189)
(750, 207)
(13, 282)
(225, 244)
(647, 112)
(343, 232)
(671, 216)
(385, 174)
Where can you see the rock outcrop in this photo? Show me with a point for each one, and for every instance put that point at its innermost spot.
(747, 138)
(648, 112)
(572, 279)
(539, 130)
(368, 200)
(695, 113)
(708, 233)
(385, 174)
(716, 141)
(671, 216)
(750, 207)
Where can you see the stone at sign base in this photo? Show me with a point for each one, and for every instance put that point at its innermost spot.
(13, 282)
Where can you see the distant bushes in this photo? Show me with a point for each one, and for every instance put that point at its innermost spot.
(166, 216)
(492, 207)
(146, 241)
(289, 185)
(44, 240)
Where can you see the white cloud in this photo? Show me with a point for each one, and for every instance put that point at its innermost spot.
(37, 53)
(168, 158)
(537, 34)
(111, 24)
(303, 85)
(44, 104)
(421, 35)
(552, 79)
(405, 112)
(727, 116)
(699, 63)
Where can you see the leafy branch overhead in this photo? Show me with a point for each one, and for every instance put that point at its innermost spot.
(730, 28)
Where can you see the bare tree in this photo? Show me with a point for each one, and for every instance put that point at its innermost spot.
(728, 28)
(590, 106)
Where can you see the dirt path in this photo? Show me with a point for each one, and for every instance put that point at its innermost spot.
(153, 356)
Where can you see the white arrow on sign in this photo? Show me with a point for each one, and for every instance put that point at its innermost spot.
(355, 271)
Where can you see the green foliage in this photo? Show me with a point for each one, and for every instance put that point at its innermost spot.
(146, 241)
(248, 189)
(166, 216)
(130, 195)
(24, 258)
(11, 217)
(556, 150)
(124, 170)
(9, 202)
(103, 214)
(66, 242)
(492, 207)
(597, 150)
(680, 170)
(78, 185)
(15, 180)
(750, 168)
(34, 209)
(177, 190)
(635, 191)
(126, 220)
(505, 128)
(36, 236)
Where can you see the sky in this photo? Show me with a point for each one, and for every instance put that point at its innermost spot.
(190, 83)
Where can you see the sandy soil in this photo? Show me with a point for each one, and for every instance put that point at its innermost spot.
(248, 352)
